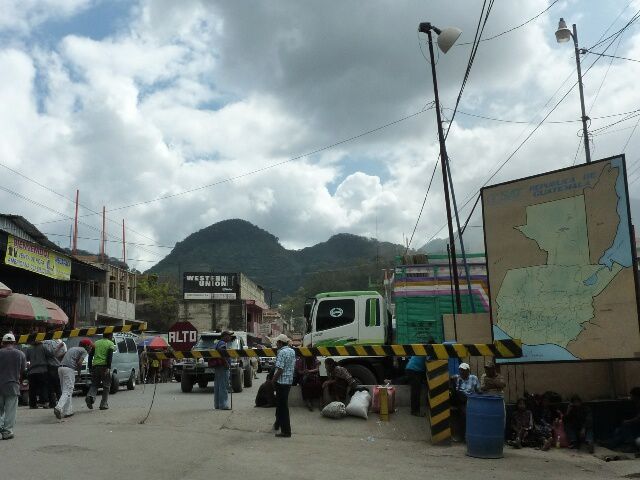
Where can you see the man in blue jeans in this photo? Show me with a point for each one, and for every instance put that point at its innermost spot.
(13, 365)
(283, 378)
(221, 378)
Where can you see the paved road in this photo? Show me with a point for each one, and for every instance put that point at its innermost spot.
(184, 438)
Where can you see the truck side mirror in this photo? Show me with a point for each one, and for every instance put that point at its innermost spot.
(307, 311)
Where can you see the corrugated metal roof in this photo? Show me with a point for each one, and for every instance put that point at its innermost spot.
(32, 233)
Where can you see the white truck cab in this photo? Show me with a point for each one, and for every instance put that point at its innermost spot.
(350, 318)
(345, 318)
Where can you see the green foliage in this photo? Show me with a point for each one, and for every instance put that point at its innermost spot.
(344, 261)
(157, 302)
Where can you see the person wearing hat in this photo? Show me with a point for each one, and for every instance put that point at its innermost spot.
(282, 379)
(464, 384)
(491, 381)
(13, 365)
(221, 374)
(71, 362)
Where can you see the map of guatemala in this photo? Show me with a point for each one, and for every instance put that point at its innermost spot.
(561, 264)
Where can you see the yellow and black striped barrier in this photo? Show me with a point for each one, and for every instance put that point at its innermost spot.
(435, 351)
(439, 401)
(80, 332)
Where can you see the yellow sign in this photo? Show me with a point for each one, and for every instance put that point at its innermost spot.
(37, 259)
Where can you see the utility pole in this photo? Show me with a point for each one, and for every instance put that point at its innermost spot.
(444, 160)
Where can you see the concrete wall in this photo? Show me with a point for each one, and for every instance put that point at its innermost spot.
(226, 314)
(590, 380)
(112, 308)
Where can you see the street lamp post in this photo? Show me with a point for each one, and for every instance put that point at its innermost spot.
(563, 34)
(446, 39)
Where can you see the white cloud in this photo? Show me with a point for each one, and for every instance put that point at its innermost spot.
(21, 16)
(196, 92)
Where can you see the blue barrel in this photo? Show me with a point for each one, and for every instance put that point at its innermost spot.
(485, 426)
(454, 362)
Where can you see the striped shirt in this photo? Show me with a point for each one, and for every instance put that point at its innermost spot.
(286, 360)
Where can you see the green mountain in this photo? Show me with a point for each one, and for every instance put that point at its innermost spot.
(238, 246)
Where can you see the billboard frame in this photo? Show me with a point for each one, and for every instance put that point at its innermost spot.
(634, 257)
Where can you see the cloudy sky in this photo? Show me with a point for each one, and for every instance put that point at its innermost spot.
(233, 109)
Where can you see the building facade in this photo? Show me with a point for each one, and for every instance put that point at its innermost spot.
(219, 301)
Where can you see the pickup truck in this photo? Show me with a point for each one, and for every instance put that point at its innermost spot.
(201, 373)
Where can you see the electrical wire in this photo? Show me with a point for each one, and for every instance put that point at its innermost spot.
(613, 56)
(477, 37)
(49, 189)
(424, 201)
(532, 132)
(274, 165)
(516, 27)
(114, 241)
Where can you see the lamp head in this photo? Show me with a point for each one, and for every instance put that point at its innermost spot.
(563, 34)
(447, 37)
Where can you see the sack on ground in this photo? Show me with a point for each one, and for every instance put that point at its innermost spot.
(334, 410)
(359, 404)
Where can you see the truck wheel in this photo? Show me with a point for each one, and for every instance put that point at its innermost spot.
(248, 377)
(115, 384)
(236, 380)
(186, 384)
(131, 384)
(203, 383)
(362, 374)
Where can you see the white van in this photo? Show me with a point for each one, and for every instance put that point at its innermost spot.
(124, 364)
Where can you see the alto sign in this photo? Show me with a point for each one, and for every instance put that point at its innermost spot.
(183, 336)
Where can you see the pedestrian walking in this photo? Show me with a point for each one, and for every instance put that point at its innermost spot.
(40, 391)
(13, 366)
(71, 362)
(55, 352)
(100, 368)
(283, 378)
(221, 374)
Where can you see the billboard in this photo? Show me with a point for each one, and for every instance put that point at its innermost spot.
(210, 286)
(561, 265)
(37, 259)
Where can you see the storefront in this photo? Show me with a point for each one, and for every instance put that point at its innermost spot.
(31, 264)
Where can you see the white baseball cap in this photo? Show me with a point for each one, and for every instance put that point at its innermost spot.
(464, 366)
(283, 338)
(9, 337)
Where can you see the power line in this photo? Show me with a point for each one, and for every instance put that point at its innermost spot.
(613, 56)
(114, 241)
(274, 165)
(517, 26)
(478, 35)
(49, 189)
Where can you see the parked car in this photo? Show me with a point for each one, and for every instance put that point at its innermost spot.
(124, 365)
(201, 373)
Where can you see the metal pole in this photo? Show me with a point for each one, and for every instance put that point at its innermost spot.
(443, 163)
(462, 250)
(585, 133)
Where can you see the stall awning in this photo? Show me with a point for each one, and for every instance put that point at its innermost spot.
(25, 307)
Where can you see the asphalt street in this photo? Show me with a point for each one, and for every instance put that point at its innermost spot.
(184, 438)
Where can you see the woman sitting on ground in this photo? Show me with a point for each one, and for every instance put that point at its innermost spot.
(308, 374)
(521, 424)
(266, 396)
(339, 383)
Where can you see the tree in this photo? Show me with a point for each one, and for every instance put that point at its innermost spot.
(157, 302)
